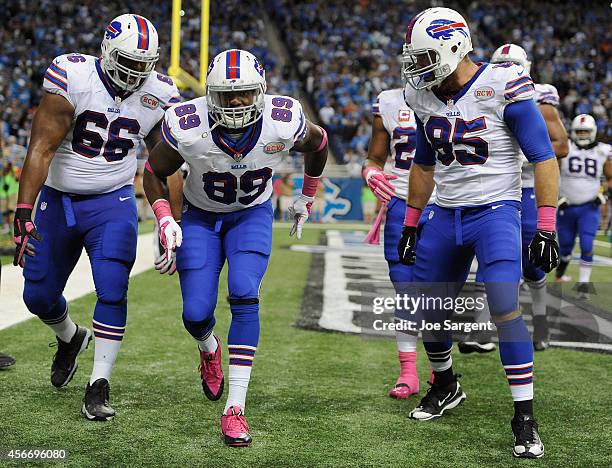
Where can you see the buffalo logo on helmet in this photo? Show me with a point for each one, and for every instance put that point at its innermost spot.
(259, 67)
(444, 29)
(113, 30)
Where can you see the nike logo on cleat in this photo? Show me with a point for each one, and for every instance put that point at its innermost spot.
(124, 198)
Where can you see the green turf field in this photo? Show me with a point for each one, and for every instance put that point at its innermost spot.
(316, 399)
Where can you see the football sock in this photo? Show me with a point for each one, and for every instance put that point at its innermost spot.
(407, 366)
(516, 352)
(104, 358)
(406, 343)
(65, 329)
(538, 296)
(440, 360)
(208, 344)
(444, 378)
(239, 376)
(523, 407)
(242, 342)
(586, 264)
(563, 263)
(63, 326)
(109, 327)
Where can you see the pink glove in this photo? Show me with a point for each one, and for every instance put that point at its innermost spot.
(170, 234)
(378, 181)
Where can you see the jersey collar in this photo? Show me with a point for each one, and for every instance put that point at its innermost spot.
(466, 86)
(108, 85)
(237, 149)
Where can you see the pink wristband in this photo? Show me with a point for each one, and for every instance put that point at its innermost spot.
(323, 140)
(161, 208)
(27, 206)
(310, 185)
(412, 216)
(148, 167)
(547, 218)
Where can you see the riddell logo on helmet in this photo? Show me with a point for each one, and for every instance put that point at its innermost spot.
(149, 101)
(275, 147)
(484, 93)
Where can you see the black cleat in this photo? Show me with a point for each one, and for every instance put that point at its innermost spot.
(527, 442)
(541, 334)
(437, 400)
(96, 405)
(583, 291)
(6, 360)
(467, 347)
(65, 363)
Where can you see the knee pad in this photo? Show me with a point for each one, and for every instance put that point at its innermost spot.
(41, 302)
(199, 328)
(198, 310)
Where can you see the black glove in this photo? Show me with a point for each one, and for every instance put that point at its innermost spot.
(544, 251)
(23, 229)
(407, 245)
(600, 199)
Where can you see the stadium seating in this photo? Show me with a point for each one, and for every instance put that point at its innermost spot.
(343, 53)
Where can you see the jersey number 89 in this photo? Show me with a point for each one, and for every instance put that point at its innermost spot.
(222, 187)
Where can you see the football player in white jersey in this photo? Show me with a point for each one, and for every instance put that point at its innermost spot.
(232, 139)
(394, 133)
(82, 160)
(471, 121)
(579, 205)
(547, 98)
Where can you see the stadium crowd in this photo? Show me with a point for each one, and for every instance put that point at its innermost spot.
(40, 30)
(343, 53)
(347, 52)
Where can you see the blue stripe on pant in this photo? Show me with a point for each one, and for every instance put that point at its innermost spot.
(107, 226)
(244, 239)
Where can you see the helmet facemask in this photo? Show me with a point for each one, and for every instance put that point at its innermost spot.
(584, 136)
(421, 68)
(128, 71)
(222, 112)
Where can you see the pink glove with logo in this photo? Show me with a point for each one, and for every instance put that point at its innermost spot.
(170, 234)
(300, 209)
(378, 181)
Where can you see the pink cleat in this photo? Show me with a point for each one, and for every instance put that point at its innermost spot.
(234, 428)
(211, 373)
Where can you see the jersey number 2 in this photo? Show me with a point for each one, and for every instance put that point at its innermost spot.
(89, 143)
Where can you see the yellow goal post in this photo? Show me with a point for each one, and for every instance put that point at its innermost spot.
(182, 78)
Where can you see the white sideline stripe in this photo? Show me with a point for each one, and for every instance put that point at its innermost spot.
(80, 283)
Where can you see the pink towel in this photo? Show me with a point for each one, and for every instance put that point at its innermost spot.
(373, 236)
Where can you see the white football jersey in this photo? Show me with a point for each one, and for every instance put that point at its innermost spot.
(544, 94)
(581, 172)
(225, 177)
(477, 156)
(400, 124)
(99, 152)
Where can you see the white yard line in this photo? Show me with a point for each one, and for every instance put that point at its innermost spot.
(12, 308)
